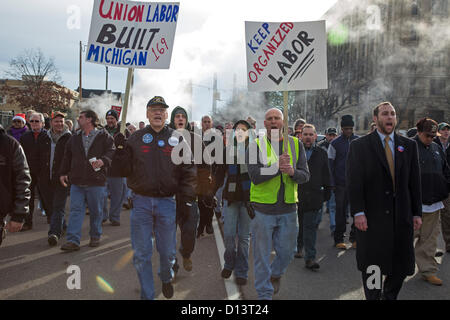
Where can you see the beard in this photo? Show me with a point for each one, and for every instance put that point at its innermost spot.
(385, 129)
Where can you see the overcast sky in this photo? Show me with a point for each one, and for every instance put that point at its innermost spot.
(209, 38)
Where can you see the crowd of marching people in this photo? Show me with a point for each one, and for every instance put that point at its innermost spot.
(391, 190)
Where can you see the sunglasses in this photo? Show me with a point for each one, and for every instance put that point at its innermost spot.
(31, 121)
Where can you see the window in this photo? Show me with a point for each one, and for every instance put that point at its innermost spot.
(438, 59)
(437, 87)
(412, 87)
(414, 9)
(439, 7)
(2, 100)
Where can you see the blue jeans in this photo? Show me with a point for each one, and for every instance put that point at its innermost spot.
(153, 216)
(310, 226)
(116, 187)
(331, 205)
(94, 197)
(280, 230)
(60, 194)
(236, 223)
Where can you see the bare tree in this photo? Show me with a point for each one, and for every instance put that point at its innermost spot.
(39, 76)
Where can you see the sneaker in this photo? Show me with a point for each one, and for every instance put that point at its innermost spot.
(53, 240)
(104, 221)
(115, 223)
(275, 284)
(312, 265)
(438, 254)
(209, 229)
(187, 264)
(226, 273)
(167, 290)
(433, 280)
(341, 245)
(241, 281)
(95, 242)
(70, 246)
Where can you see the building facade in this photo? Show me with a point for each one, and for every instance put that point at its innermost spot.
(389, 50)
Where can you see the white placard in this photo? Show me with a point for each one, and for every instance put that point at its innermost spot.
(285, 56)
(132, 34)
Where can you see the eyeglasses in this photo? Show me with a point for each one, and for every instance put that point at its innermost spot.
(17, 121)
(154, 110)
(31, 121)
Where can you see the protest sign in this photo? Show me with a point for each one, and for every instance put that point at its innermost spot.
(118, 109)
(132, 34)
(286, 56)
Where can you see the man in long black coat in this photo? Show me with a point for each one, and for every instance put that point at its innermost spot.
(385, 197)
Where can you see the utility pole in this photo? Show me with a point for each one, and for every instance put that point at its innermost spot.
(234, 99)
(188, 90)
(81, 86)
(215, 94)
(106, 78)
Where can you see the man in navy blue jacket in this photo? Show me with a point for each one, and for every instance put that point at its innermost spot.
(337, 155)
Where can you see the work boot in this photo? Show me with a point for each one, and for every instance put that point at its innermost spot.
(312, 265)
(167, 290)
(95, 242)
(187, 264)
(70, 246)
(433, 280)
(275, 284)
(226, 273)
(341, 246)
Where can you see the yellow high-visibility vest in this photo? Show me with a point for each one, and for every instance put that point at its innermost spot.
(267, 191)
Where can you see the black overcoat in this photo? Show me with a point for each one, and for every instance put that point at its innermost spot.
(389, 239)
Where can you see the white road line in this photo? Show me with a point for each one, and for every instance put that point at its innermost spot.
(230, 286)
(12, 291)
(107, 252)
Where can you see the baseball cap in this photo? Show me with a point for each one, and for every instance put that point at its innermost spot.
(331, 131)
(58, 114)
(157, 100)
(443, 125)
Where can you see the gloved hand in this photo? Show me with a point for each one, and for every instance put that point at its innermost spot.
(119, 141)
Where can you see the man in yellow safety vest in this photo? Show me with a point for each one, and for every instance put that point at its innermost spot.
(273, 196)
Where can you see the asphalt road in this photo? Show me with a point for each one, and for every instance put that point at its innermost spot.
(30, 269)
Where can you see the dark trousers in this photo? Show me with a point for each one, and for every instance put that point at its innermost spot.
(341, 216)
(300, 229)
(57, 205)
(33, 189)
(390, 288)
(188, 224)
(206, 213)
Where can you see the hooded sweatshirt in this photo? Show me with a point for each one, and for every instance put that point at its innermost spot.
(205, 184)
(174, 113)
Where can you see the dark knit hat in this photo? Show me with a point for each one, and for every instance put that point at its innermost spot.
(112, 113)
(347, 121)
(244, 122)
